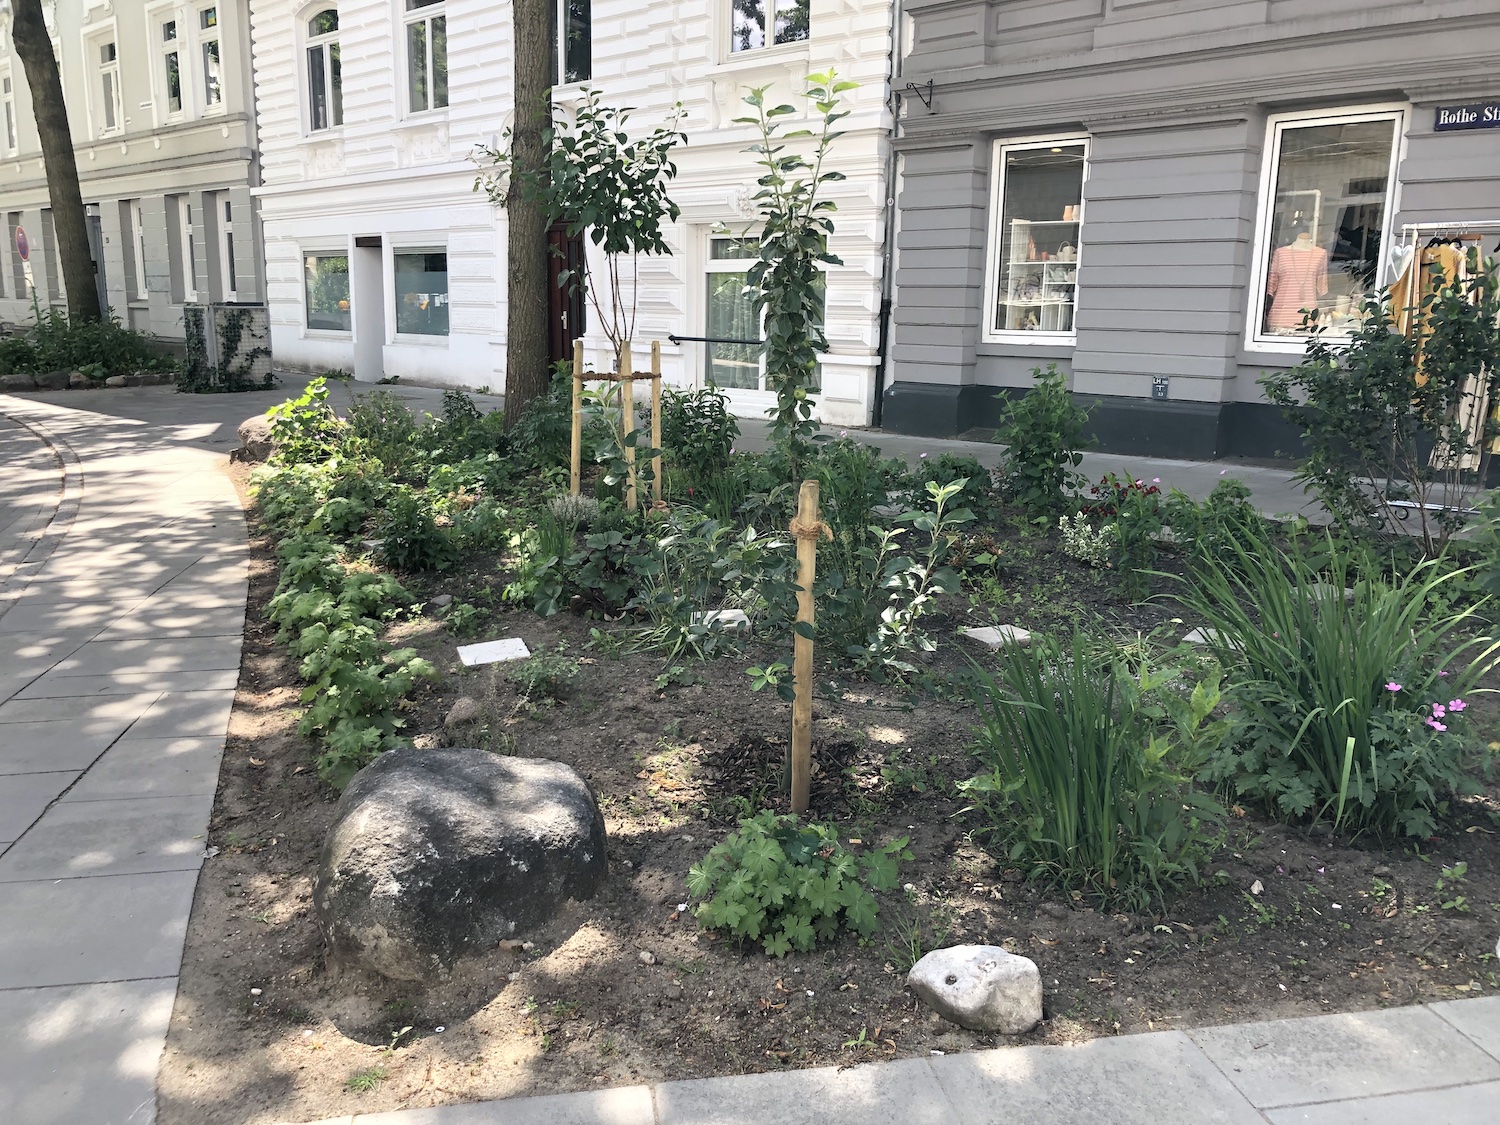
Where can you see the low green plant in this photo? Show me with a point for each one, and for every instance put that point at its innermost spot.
(978, 493)
(1091, 544)
(1044, 435)
(546, 674)
(1450, 878)
(1209, 530)
(1133, 507)
(789, 886)
(1347, 708)
(1088, 754)
(363, 1081)
(698, 433)
(384, 425)
(305, 429)
(411, 536)
(464, 619)
(95, 347)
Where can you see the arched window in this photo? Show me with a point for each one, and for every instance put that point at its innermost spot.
(325, 94)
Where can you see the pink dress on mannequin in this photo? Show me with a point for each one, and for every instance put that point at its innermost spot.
(1298, 278)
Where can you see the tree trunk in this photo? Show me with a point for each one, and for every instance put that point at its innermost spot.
(526, 374)
(34, 45)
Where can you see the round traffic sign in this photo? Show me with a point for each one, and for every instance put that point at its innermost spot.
(23, 244)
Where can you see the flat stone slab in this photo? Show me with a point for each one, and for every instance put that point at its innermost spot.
(1352, 1055)
(24, 796)
(122, 837)
(494, 652)
(1465, 1105)
(1477, 1019)
(152, 767)
(903, 1091)
(993, 636)
(185, 714)
(56, 744)
(1158, 1078)
(80, 1054)
(1200, 637)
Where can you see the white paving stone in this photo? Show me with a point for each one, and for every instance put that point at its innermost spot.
(993, 636)
(494, 652)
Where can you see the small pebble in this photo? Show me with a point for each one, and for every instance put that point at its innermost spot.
(527, 946)
(255, 992)
(646, 957)
(514, 976)
(682, 908)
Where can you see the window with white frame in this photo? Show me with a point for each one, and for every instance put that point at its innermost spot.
(325, 287)
(183, 249)
(138, 244)
(12, 142)
(572, 41)
(210, 56)
(111, 113)
(421, 278)
(325, 90)
(170, 70)
(1325, 215)
(228, 279)
(1036, 217)
(767, 23)
(426, 55)
(733, 357)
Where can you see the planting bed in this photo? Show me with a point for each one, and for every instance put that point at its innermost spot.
(1284, 923)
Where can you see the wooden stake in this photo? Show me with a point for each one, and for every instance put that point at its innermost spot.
(656, 419)
(808, 527)
(627, 404)
(576, 480)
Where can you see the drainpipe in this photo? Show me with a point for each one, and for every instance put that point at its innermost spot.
(888, 248)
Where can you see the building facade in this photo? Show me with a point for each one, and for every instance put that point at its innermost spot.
(159, 104)
(1149, 193)
(382, 258)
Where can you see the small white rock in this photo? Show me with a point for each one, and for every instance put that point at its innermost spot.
(255, 992)
(980, 987)
(527, 946)
(734, 621)
(1257, 887)
(442, 601)
(993, 636)
(646, 957)
(465, 710)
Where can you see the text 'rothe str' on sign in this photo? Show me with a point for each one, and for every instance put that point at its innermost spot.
(1475, 115)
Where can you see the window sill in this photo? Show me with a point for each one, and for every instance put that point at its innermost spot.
(1031, 343)
(424, 117)
(736, 61)
(420, 340)
(328, 333)
(332, 133)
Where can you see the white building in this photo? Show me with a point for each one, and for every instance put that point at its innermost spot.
(159, 103)
(381, 257)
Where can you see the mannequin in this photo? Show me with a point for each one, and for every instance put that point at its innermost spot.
(1298, 278)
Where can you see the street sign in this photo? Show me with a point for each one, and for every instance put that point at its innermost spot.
(23, 244)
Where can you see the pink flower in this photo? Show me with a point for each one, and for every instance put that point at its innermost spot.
(1393, 686)
(923, 457)
(1223, 471)
(1435, 725)
(1443, 675)
(1457, 705)
(1156, 480)
(1438, 710)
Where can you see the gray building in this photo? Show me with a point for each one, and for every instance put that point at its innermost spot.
(1149, 193)
(159, 97)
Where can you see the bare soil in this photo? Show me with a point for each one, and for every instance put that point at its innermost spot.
(266, 1031)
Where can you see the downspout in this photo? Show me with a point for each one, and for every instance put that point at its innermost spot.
(888, 248)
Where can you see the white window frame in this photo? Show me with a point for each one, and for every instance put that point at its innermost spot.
(725, 36)
(408, 18)
(345, 250)
(181, 46)
(97, 71)
(138, 239)
(228, 274)
(12, 124)
(1276, 125)
(202, 37)
(560, 45)
(992, 263)
(187, 248)
(421, 339)
(320, 43)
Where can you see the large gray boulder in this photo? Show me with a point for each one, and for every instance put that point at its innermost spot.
(981, 987)
(17, 382)
(256, 443)
(435, 854)
(53, 381)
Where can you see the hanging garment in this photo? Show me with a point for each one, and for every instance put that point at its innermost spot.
(1298, 279)
(1428, 272)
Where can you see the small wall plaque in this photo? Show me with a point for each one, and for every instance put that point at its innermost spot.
(1475, 115)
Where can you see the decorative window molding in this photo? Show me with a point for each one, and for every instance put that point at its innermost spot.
(1325, 208)
(425, 30)
(1035, 239)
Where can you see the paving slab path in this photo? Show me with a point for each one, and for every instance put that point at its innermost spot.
(122, 606)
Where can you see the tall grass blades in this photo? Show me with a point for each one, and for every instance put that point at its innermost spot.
(1088, 755)
(1346, 707)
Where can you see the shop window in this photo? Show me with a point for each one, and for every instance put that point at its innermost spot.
(765, 23)
(111, 116)
(325, 87)
(1325, 216)
(326, 287)
(1036, 221)
(208, 47)
(421, 292)
(733, 359)
(426, 55)
(171, 69)
(572, 41)
(9, 97)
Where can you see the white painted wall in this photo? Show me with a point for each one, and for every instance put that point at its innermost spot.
(409, 177)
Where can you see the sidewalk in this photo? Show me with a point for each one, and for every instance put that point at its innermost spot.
(122, 604)
(1436, 1064)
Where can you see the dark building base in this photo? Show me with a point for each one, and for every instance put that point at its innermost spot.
(1189, 431)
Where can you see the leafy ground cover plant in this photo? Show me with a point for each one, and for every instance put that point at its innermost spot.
(1088, 755)
(1043, 432)
(305, 429)
(98, 347)
(1347, 709)
(789, 886)
(1133, 508)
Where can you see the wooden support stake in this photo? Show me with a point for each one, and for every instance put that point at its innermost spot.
(807, 527)
(656, 419)
(576, 480)
(627, 404)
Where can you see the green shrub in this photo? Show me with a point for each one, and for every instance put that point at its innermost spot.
(1348, 711)
(305, 429)
(411, 537)
(1210, 529)
(1133, 508)
(789, 886)
(545, 675)
(55, 343)
(697, 435)
(1043, 432)
(1088, 755)
(542, 436)
(978, 494)
(386, 430)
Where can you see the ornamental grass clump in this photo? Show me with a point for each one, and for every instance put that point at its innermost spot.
(1088, 755)
(1347, 691)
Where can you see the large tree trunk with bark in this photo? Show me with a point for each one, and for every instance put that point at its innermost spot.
(34, 45)
(526, 374)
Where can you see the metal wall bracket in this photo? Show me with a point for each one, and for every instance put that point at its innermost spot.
(926, 97)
